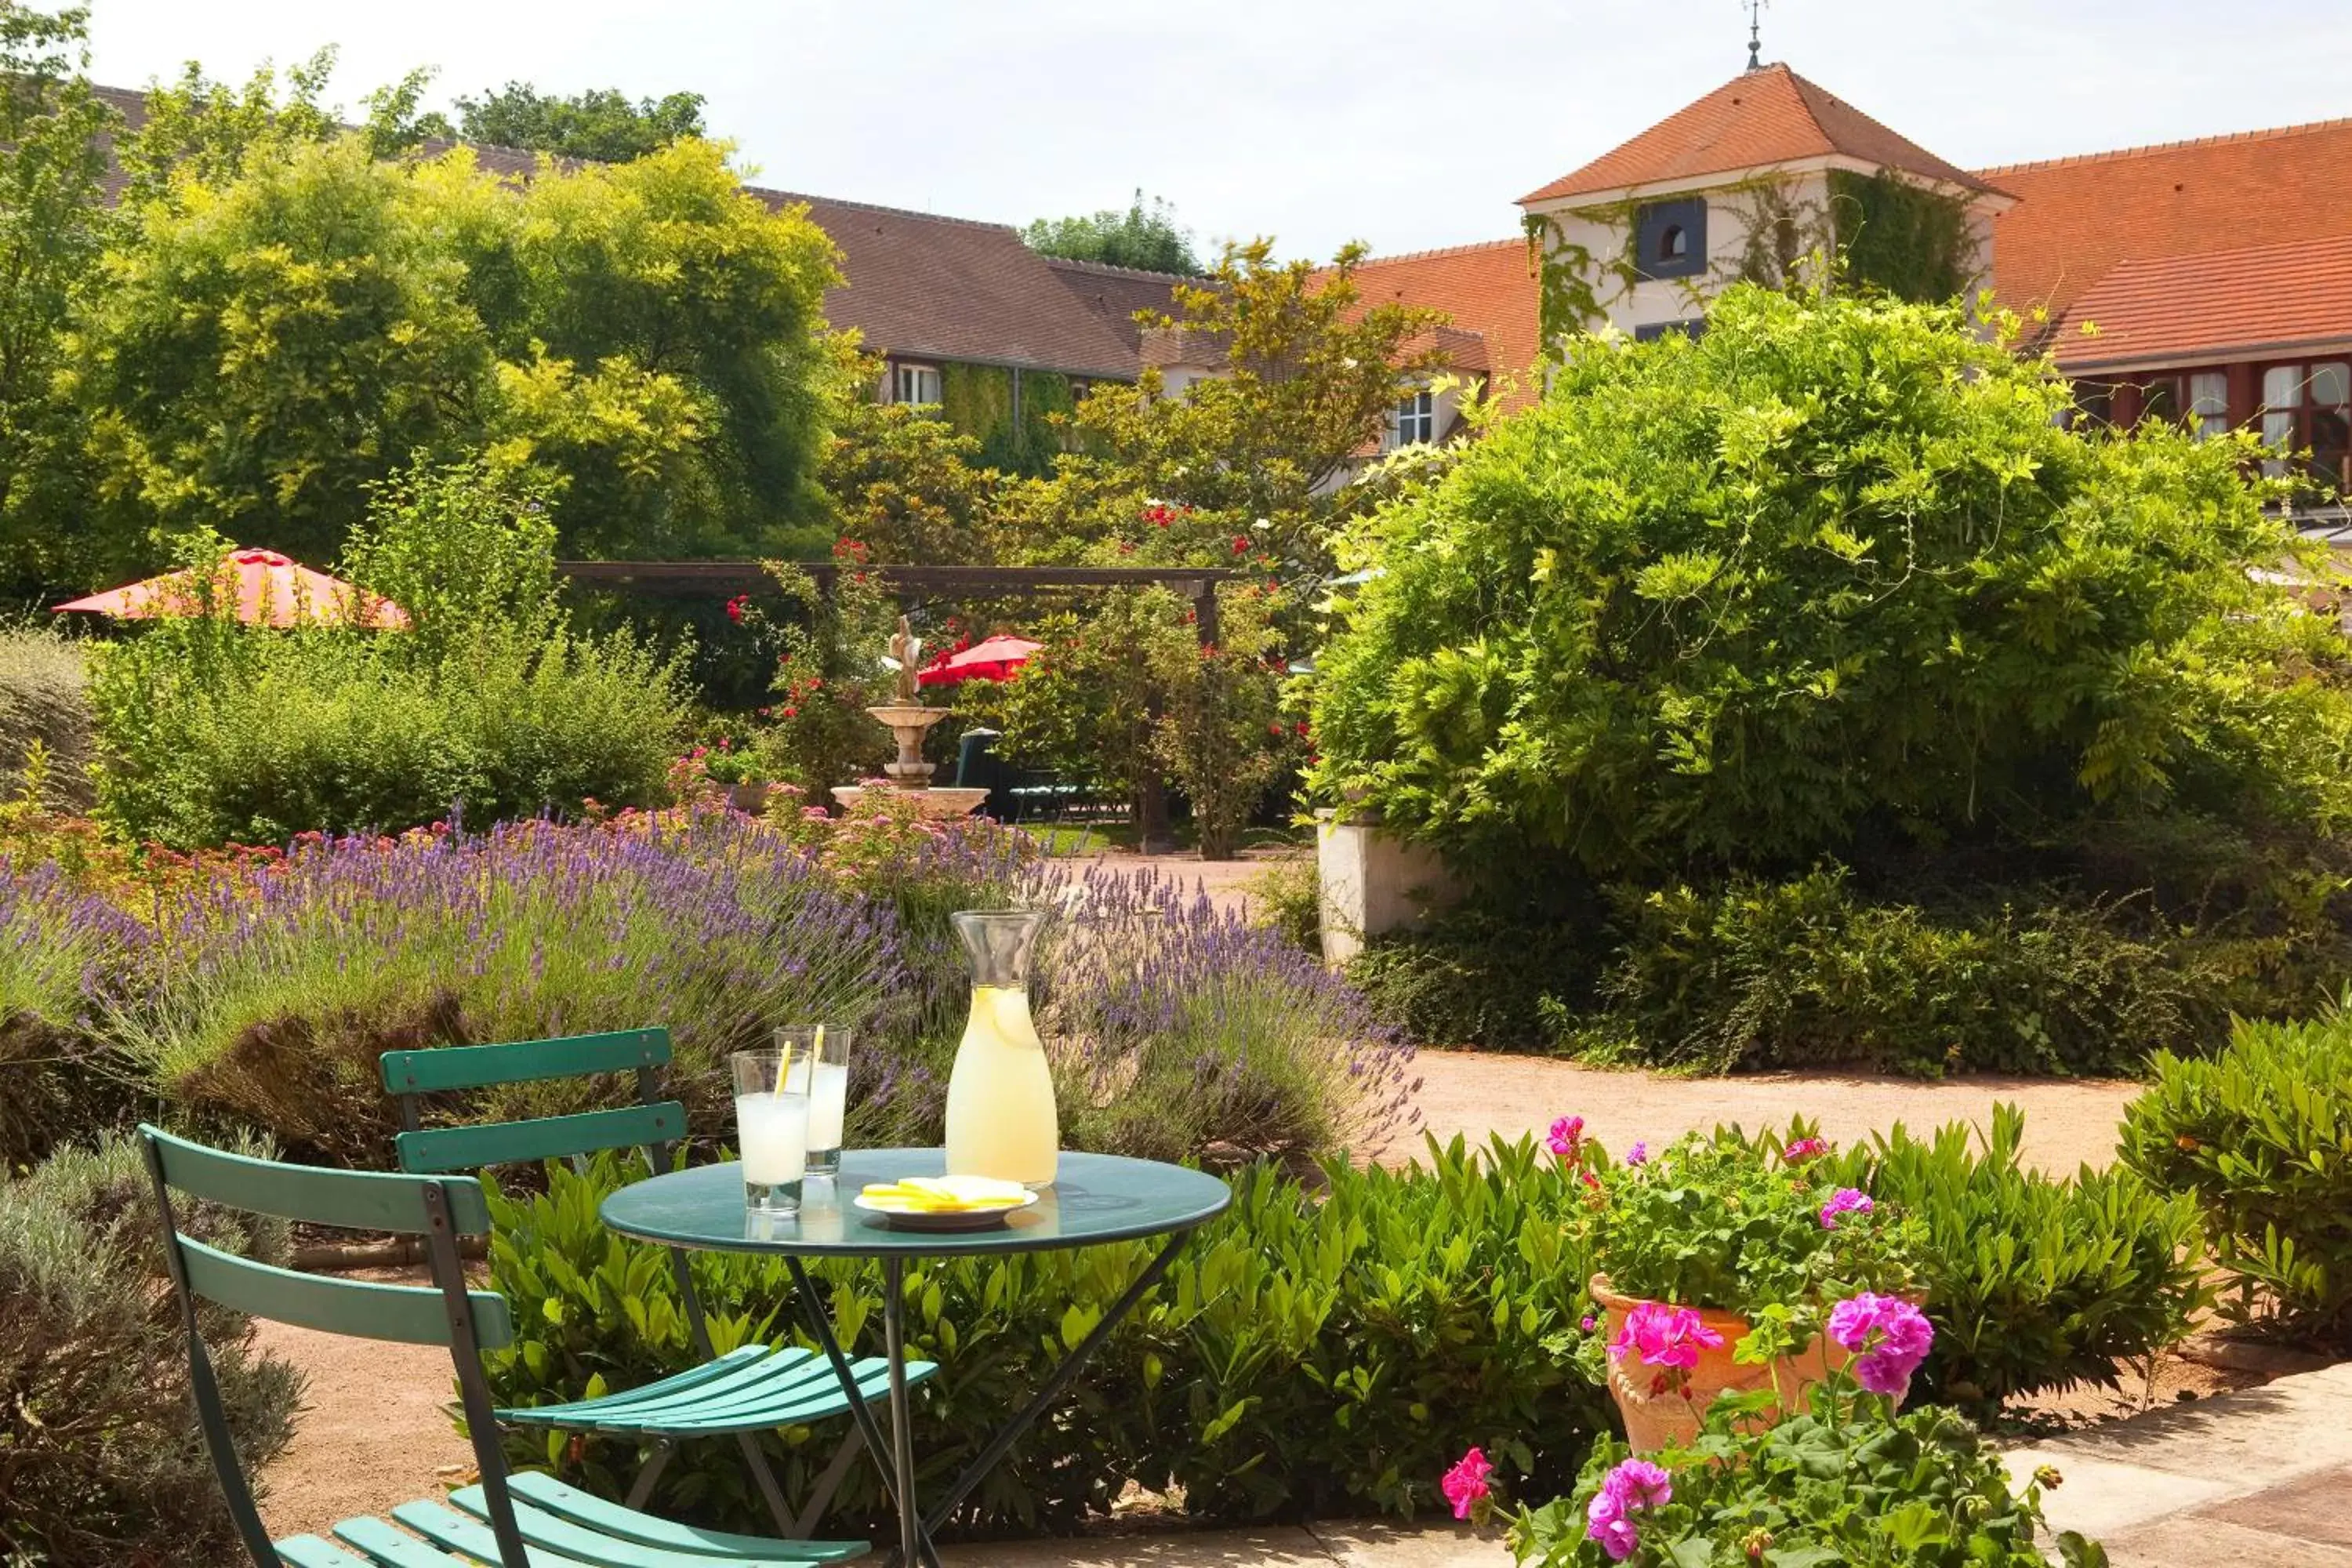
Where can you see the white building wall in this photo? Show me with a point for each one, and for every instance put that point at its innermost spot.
(1606, 236)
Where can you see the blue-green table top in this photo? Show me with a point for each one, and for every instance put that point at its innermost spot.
(1094, 1199)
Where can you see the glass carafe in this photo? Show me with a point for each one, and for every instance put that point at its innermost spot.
(1001, 1116)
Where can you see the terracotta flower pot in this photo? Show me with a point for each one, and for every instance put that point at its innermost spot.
(750, 798)
(1662, 1412)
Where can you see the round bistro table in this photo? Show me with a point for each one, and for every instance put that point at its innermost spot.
(1095, 1199)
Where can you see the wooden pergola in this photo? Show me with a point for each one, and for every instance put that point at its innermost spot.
(687, 579)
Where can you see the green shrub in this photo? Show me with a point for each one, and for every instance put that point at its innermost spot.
(1304, 1356)
(101, 1460)
(45, 710)
(2260, 1137)
(2033, 1283)
(491, 707)
(1288, 897)
(1803, 972)
(1832, 579)
(1473, 978)
(1845, 1481)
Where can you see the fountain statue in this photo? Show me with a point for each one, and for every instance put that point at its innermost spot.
(907, 718)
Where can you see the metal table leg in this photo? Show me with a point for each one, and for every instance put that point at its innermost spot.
(894, 1459)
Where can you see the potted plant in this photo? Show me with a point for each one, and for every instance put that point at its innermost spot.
(1719, 1260)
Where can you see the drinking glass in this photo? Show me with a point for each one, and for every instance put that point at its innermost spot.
(820, 1069)
(771, 1127)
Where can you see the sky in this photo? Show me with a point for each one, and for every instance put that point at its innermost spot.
(1407, 124)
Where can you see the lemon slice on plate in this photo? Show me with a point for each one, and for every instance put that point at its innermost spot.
(944, 1194)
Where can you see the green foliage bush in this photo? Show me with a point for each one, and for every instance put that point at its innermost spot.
(2259, 1137)
(1830, 580)
(491, 708)
(1476, 978)
(2034, 1282)
(1306, 1354)
(1802, 973)
(64, 955)
(101, 1460)
(44, 707)
(1845, 1481)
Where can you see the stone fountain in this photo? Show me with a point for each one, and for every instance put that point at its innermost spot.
(907, 720)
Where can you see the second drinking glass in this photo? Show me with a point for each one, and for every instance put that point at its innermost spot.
(819, 1055)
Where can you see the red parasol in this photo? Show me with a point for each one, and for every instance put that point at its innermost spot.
(270, 591)
(995, 659)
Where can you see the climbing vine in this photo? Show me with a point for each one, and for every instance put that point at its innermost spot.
(1906, 239)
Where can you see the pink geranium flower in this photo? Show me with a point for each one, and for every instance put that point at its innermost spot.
(1664, 1336)
(1626, 1489)
(1464, 1484)
(1891, 1338)
(1805, 1148)
(1846, 1200)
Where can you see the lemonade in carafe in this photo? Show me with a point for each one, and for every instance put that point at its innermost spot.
(1001, 1116)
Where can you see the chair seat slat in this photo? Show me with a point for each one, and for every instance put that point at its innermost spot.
(397, 1548)
(311, 1551)
(787, 1402)
(544, 1492)
(579, 1543)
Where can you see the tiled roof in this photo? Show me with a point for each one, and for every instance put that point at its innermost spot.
(953, 288)
(2077, 217)
(2279, 296)
(1757, 118)
(1116, 293)
(1486, 289)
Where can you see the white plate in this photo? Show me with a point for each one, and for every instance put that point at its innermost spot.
(943, 1219)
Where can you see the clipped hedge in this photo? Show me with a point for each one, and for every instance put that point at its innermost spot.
(45, 710)
(2034, 1282)
(2261, 1138)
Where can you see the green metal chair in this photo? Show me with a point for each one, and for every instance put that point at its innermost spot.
(511, 1521)
(750, 1389)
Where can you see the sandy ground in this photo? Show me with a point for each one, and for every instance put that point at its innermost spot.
(373, 1431)
(2068, 1121)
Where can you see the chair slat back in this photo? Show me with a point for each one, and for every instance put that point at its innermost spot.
(542, 1138)
(348, 1200)
(404, 1314)
(523, 1062)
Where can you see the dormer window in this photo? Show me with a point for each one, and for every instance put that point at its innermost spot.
(1670, 239)
(1414, 422)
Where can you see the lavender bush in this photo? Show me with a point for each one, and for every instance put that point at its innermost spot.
(62, 952)
(1185, 1031)
(278, 995)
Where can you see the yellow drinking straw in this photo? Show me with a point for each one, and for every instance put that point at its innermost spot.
(785, 1062)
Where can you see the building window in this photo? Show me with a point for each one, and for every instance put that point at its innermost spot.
(1413, 421)
(2094, 405)
(2308, 407)
(2209, 403)
(1651, 333)
(1670, 239)
(918, 384)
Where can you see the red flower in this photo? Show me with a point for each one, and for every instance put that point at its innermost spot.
(1299, 728)
(735, 607)
(1240, 544)
(792, 712)
(1274, 729)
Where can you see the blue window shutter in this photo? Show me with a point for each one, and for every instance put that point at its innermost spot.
(1655, 223)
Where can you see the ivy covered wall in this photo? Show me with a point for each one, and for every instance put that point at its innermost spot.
(979, 400)
(1910, 241)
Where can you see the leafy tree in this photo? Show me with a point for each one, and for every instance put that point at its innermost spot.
(1832, 578)
(52, 228)
(202, 134)
(903, 483)
(1148, 239)
(600, 125)
(289, 320)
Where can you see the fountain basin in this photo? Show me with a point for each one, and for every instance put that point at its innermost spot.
(938, 802)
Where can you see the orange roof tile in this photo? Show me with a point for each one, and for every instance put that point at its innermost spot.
(2077, 217)
(1486, 289)
(2292, 293)
(1757, 118)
